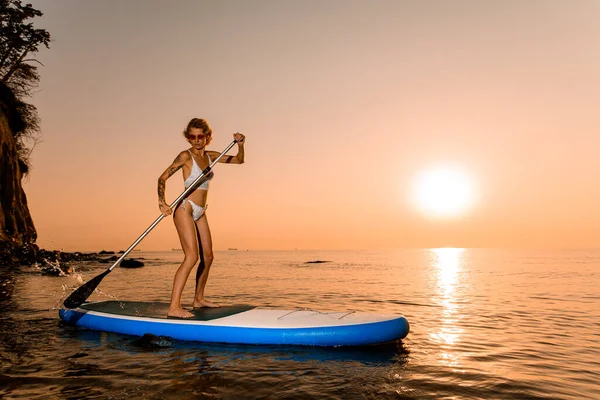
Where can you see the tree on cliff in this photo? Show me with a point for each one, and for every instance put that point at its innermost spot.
(19, 40)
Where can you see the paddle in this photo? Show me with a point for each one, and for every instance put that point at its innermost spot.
(79, 296)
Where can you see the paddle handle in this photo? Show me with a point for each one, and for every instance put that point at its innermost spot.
(174, 204)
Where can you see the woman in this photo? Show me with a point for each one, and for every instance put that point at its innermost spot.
(189, 216)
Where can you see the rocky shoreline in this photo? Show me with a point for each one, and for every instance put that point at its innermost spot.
(53, 262)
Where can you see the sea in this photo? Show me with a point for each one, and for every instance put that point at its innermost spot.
(484, 324)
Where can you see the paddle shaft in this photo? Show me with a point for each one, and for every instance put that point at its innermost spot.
(174, 204)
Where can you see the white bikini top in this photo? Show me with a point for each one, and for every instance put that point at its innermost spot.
(196, 171)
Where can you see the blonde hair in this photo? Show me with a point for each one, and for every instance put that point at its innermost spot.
(201, 124)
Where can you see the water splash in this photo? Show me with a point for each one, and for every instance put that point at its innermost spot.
(67, 289)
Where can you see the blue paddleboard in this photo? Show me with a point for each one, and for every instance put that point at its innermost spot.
(242, 324)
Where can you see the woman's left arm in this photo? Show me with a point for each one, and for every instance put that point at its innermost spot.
(239, 157)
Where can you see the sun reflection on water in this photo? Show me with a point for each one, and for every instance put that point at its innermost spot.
(447, 262)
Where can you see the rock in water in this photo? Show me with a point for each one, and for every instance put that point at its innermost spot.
(131, 263)
(153, 341)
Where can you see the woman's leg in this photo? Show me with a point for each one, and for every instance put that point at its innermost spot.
(189, 243)
(207, 254)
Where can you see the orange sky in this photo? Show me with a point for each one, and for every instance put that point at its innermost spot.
(343, 104)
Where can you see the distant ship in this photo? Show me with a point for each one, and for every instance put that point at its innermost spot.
(176, 249)
(232, 248)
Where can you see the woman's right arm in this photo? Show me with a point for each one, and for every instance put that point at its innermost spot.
(162, 181)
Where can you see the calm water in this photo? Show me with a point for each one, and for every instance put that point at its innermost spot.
(484, 324)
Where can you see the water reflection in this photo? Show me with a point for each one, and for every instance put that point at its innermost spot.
(390, 354)
(448, 263)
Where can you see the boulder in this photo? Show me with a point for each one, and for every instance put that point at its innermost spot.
(131, 263)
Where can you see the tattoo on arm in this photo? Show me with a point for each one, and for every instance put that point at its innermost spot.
(161, 191)
(177, 164)
(173, 170)
(161, 182)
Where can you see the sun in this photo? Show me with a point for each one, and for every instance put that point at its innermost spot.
(443, 192)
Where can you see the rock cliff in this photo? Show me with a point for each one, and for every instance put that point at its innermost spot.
(16, 224)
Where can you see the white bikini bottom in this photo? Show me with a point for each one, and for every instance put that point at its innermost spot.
(197, 211)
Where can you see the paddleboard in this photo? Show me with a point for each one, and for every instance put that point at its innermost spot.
(241, 324)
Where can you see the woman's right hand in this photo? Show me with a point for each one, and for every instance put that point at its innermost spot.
(164, 208)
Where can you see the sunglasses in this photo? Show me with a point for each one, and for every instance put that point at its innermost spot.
(200, 136)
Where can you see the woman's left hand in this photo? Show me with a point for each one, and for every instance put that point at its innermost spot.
(239, 137)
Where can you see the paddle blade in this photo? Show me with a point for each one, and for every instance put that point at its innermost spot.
(79, 296)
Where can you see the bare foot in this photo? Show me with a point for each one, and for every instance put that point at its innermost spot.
(179, 313)
(205, 303)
